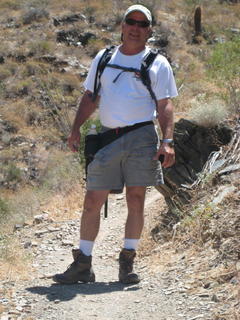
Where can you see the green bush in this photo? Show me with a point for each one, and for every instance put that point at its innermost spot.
(225, 68)
(4, 73)
(7, 70)
(224, 61)
(2, 88)
(41, 47)
(19, 88)
(193, 2)
(32, 68)
(12, 173)
(4, 209)
(84, 130)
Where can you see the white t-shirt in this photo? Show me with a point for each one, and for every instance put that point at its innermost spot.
(127, 101)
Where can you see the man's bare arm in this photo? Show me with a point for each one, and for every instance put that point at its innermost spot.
(85, 109)
(166, 122)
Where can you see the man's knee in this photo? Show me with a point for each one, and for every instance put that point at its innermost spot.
(135, 196)
(94, 199)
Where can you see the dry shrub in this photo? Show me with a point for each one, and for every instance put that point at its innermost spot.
(94, 45)
(34, 10)
(17, 113)
(4, 73)
(153, 203)
(41, 47)
(32, 68)
(70, 82)
(19, 88)
(60, 173)
(67, 206)
(22, 205)
(7, 70)
(11, 4)
(15, 262)
(208, 114)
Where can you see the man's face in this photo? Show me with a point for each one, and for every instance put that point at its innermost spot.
(134, 32)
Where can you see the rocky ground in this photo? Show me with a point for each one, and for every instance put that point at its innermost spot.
(192, 271)
(167, 291)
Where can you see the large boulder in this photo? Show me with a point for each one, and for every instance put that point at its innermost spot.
(193, 146)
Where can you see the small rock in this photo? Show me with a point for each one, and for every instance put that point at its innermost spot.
(18, 227)
(238, 266)
(215, 298)
(27, 244)
(14, 312)
(52, 229)
(57, 301)
(19, 308)
(137, 301)
(39, 218)
(38, 233)
(67, 243)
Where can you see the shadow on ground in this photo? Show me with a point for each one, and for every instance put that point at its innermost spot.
(68, 292)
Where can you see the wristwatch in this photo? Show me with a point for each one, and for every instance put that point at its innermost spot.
(168, 141)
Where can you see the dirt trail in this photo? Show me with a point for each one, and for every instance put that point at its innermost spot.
(159, 296)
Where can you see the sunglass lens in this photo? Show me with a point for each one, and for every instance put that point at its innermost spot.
(131, 22)
(142, 24)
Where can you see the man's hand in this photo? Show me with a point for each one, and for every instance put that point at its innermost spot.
(74, 141)
(85, 109)
(168, 154)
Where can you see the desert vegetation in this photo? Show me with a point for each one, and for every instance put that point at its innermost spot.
(46, 49)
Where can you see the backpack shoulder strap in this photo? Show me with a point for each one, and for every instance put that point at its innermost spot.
(144, 71)
(105, 58)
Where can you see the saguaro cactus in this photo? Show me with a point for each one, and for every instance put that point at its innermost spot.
(197, 21)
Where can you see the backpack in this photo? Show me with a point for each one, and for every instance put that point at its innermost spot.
(143, 71)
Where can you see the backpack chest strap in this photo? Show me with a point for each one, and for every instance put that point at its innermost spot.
(124, 69)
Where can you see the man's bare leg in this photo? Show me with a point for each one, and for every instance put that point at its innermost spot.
(90, 221)
(135, 201)
(81, 268)
(135, 197)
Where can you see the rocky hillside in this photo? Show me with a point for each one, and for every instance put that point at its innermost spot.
(45, 53)
(46, 49)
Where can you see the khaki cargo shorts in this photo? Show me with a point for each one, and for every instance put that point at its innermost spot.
(127, 161)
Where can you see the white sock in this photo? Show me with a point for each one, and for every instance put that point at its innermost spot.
(131, 243)
(86, 247)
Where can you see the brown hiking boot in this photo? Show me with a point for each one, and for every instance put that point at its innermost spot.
(79, 270)
(126, 259)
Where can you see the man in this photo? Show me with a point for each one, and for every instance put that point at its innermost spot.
(132, 159)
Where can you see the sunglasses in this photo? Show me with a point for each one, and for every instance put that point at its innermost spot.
(140, 23)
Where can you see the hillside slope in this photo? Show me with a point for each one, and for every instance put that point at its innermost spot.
(46, 49)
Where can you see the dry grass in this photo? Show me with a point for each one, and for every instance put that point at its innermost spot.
(65, 207)
(73, 6)
(154, 203)
(208, 113)
(16, 113)
(15, 262)
(60, 192)
(56, 190)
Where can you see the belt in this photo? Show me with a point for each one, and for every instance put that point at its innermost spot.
(113, 134)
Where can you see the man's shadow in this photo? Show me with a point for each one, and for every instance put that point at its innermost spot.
(65, 292)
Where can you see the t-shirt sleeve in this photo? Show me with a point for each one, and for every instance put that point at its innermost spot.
(164, 85)
(89, 81)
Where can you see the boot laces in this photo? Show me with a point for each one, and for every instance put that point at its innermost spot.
(73, 264)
